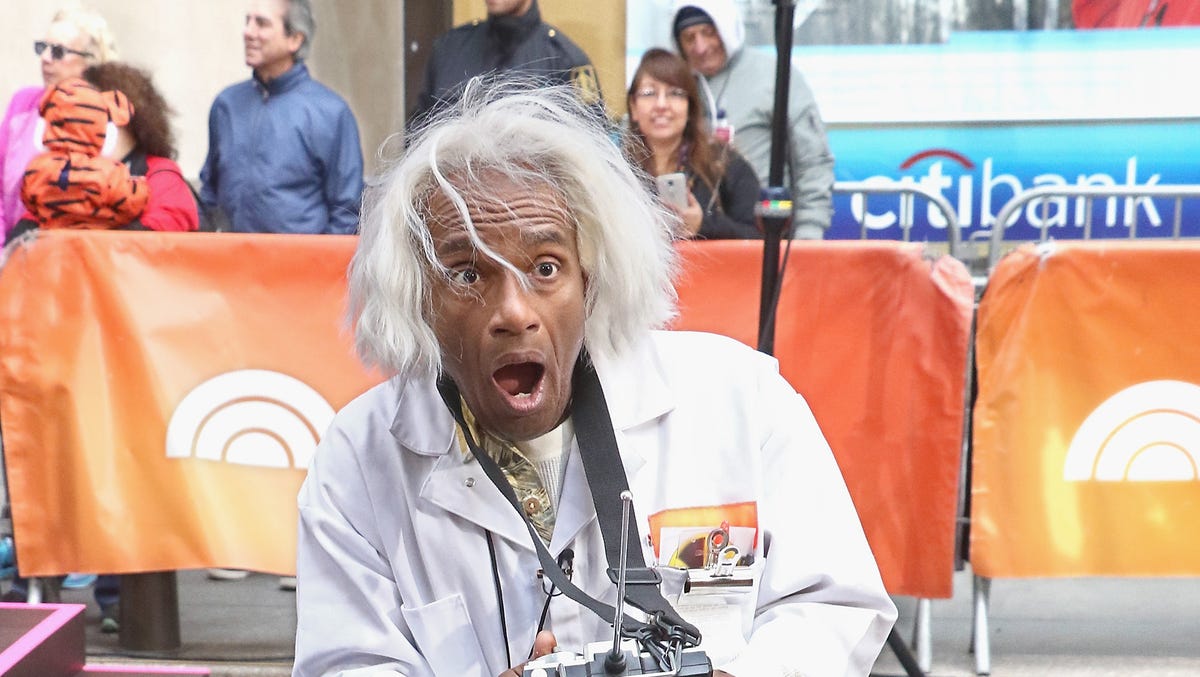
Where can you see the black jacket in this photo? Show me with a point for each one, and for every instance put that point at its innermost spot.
(731, 215)
(501, 44)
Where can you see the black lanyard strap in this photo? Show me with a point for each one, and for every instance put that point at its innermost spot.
(606, 480)
(550, 568)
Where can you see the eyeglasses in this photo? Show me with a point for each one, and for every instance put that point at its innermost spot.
(57, 52)
(674, 94)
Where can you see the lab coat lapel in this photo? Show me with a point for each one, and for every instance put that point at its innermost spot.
(635, 394)
(575, 508)
(461, 488)
(634, 389)
(423, 426)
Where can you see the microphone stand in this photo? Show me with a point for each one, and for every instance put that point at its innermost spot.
(775, 208)
(774, 212)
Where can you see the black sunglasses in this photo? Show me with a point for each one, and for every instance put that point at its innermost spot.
(57, 52)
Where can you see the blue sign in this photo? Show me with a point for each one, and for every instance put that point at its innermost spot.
(978, 167)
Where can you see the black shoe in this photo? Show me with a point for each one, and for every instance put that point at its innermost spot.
(108, 620)
(13, 597)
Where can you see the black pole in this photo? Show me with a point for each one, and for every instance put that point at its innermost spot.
(785, 13)
(775, 208)
(910, 665)
(149, 613)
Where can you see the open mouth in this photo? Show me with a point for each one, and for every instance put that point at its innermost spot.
(520, 379)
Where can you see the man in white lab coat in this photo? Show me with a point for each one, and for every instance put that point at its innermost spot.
(511, 250)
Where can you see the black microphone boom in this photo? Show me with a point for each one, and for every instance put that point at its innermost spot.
(785, 13)
(774, 210)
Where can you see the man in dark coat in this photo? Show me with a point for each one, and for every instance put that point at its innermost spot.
(512, 39)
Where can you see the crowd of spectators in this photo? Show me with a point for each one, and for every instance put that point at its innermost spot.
(284, 153)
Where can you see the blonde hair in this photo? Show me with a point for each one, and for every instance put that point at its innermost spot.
(524, 131)
(101, 43)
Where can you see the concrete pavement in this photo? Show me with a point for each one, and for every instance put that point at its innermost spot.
(1060, 627)
(1073, 627)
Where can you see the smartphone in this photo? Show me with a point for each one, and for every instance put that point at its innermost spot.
(672, 189)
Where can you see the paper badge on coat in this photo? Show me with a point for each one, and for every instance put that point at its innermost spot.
(713, 538)
(716, 546)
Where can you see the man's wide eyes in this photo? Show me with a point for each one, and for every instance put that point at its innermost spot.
(465, 276)
(469, 276)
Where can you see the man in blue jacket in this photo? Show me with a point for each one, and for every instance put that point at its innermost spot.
(283, 149)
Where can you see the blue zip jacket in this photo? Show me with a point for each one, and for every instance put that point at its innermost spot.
(283, 157)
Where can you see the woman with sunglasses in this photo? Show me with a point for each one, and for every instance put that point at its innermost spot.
(669, 135)
(77, 38)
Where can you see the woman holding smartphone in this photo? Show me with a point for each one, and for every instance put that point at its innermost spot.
(707, 184)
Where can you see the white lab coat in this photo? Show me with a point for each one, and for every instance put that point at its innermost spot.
(394, 572)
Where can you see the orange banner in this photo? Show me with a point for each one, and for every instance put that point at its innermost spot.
(875, 336)
(1087, 423)
(162, 393)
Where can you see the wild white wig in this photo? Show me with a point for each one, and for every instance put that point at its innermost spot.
(525, 132)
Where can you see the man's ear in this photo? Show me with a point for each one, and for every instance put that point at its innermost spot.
(295, 41)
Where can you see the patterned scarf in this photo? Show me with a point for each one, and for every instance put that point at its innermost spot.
(520, 473)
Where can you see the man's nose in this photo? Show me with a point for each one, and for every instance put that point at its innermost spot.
(513, 312)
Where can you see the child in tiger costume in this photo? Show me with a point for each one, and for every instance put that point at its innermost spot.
(70, 184)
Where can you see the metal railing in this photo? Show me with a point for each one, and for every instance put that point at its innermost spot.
(1133, 195)
(908, 193)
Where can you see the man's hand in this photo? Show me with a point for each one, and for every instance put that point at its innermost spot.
(543, 644)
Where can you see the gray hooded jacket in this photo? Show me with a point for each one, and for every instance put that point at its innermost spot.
(745, 90)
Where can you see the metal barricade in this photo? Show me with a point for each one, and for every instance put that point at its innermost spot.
(908, 192)
(859, 190)
(1133, 196)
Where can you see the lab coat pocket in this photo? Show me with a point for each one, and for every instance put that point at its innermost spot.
(445, 638)
(722, 608)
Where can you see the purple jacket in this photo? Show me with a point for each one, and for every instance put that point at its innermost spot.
(16, 149)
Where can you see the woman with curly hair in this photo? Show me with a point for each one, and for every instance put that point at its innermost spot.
(147, 146)
(669, 135)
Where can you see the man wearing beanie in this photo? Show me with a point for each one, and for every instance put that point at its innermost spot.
(512, 39)
(740, 84)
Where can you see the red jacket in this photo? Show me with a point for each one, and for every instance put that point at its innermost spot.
(171, 205)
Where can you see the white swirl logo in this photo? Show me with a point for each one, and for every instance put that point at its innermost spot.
(1149, 432)
(250, 417)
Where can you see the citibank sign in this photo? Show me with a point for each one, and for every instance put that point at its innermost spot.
(990, 189)
(978, 169)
